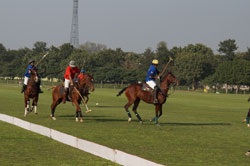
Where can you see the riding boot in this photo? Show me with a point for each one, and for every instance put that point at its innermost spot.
(39, 89)
(24, 88)
(155, 95)
(38, 86)
(66, 92)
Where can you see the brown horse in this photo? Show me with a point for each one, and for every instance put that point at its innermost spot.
(134, 94)
(83, 85)
(31, 92)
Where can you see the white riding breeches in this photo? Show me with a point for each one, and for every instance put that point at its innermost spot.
(151, 83)
(66, 83)
(26, 79)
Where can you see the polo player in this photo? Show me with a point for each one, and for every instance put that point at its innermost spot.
(151, 76)
(27, 77)
(82, 74)
(71, 73)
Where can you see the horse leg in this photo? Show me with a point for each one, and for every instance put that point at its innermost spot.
(53, 108)
(27, 104)
(136, 103)
(87, 99)
(160, 110)
(34, 104)
(78, 111)
(25, 107)
(157, 108)
(77, 116)
(126, 109)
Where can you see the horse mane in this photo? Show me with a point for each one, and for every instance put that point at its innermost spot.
(168, 73)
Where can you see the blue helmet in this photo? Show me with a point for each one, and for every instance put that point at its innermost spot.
(82, 71)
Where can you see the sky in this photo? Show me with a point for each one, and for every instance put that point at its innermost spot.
(132, 25)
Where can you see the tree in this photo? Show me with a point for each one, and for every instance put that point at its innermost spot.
(162, 54)
(193, 64)
(224, 73)
(227, 48)
(236, 72)
(40, 47)
(3, 54)
(247, 54)
(92, 47)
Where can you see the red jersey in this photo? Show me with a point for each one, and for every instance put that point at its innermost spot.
(81, 76)
(71, 71)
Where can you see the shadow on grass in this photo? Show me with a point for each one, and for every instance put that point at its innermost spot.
(84, 115)
(107, 120)
(197, 124)
(106, 106)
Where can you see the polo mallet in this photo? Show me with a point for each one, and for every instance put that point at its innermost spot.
(44, 56)
(84, 60)
(88, 110)
(165, 68)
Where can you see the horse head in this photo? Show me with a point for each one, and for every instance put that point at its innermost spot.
(87, 82)
(170, 79)
(34, 74)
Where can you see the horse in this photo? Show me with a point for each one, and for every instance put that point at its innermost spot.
(134, 94)
(31, 92)
(79, 88)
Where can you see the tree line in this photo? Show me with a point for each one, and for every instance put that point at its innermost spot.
(194, 64)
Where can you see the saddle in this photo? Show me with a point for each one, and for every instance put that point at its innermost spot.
(69, 96)
(146, 88)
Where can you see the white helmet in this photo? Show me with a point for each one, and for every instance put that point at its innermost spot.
(72, 64)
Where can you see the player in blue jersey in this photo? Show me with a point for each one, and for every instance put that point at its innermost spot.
(151, 76)
(27, 77)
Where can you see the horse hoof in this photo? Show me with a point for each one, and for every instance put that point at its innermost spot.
(77, 119)
(158, 124)
(129, 119)
(54, 118)
(36, 113)
(81, 120)
(141, 122)
(152, 120)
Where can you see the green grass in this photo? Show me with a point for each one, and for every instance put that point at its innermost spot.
(196, 128)
(22, 147)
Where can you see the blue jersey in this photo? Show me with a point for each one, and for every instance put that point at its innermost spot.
(27, 74)
(152, 71)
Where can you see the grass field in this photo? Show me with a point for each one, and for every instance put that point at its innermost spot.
(196, 128)
(21, 147)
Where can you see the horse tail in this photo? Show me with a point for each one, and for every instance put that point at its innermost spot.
(51, 87)
(119, 94)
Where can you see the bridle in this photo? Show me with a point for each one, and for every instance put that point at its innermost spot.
(85, 87)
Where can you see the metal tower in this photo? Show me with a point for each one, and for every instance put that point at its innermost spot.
(74, 35)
